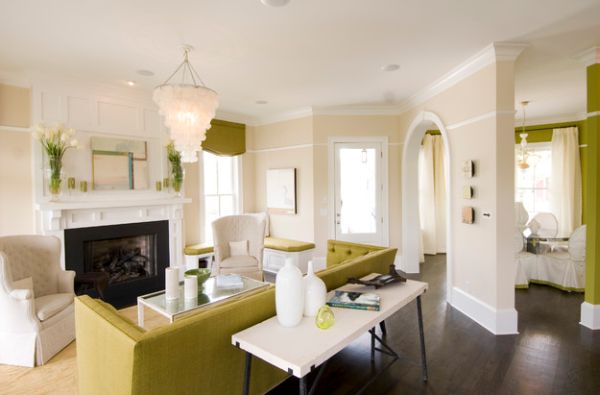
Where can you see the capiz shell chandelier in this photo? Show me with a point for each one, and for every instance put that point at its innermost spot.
(188, 109)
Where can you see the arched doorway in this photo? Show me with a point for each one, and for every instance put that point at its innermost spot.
(410, 195)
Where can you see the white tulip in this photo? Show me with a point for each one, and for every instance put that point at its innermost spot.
(74, 143)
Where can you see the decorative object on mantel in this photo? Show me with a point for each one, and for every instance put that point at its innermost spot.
(119, 163)
(177, 173)
(379, 280)
(188, 109)
(83, 186)
(325, 318)
(289, 294)
(71, 184)
(171, 283)
(55, 141)
(158, 186)
(315, 292)
(166, 184)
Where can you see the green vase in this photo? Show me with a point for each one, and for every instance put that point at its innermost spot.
(325, 317)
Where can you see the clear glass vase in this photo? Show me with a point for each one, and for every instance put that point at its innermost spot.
(54, 178)
(177, 177)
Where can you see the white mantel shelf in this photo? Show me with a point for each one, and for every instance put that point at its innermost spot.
(103, 209)
(96, 204)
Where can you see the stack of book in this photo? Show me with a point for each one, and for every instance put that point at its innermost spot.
(355, 300)
(229, 281)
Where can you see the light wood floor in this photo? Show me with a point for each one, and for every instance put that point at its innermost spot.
(59, 375)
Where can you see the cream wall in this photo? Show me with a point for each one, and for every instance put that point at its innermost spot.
(15, 106)
(327, 126)
(16, 185)
(479, 111)
(280, 145)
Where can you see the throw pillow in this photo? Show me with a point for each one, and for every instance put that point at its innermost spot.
(238, 248)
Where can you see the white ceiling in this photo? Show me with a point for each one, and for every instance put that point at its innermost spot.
(310, 53)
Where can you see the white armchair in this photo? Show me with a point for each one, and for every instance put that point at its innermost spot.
(238, 245)
(36, 300)
(566, 269)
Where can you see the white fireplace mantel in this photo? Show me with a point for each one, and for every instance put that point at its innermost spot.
(56, 217)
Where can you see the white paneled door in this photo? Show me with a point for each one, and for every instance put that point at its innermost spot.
(358, 192)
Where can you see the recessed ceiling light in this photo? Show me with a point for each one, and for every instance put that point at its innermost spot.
(390, 67)
(131, 83)
(145, 73)
(275, 3)
(261, 102)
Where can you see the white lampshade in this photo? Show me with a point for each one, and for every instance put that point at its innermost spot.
(188, 110)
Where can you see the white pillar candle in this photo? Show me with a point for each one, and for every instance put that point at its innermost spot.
(190, 303)
(171, 283)
(190, 287)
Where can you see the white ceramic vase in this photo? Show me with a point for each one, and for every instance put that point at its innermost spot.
(289, 294)
(315, 292)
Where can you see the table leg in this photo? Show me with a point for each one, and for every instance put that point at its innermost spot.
(303, 388)
(140, 314)
(422, 339)
(246, 389)
(383, 328)
(372, 332)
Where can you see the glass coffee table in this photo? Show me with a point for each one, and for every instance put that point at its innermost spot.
(210, 295)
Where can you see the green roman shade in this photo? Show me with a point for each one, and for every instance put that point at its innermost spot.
(225, 138)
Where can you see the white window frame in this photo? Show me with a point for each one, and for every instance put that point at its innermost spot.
(533, 147)
(238, 197)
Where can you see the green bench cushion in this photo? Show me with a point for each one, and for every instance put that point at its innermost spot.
(275, 243)
(198, 249)
(341, 252)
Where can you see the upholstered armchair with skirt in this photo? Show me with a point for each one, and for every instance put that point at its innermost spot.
(239, 243)
(36, 300)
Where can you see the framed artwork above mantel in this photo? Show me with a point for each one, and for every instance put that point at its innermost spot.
(281, 191)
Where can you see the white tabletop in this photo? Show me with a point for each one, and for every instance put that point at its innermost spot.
(299, 349)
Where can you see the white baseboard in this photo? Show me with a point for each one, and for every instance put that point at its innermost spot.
(590, 315)
(499, 322)
(319, 263)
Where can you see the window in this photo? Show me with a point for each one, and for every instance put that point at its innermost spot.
(533, 184)
(221, 189)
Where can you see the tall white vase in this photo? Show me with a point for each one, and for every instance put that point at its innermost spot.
(289, 294)
(315, 292)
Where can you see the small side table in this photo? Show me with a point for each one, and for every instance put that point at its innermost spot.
(94, 280)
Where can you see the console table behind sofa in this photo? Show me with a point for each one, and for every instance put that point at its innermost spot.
(195, 353)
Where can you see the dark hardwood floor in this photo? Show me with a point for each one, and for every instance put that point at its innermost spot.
(552, 354)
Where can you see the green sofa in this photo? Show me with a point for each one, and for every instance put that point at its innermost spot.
(194, 355)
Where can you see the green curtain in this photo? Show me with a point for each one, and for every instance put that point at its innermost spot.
(225, 138)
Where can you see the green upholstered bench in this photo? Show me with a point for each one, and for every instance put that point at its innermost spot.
(287, 245)
(277, 250)
(194, 252)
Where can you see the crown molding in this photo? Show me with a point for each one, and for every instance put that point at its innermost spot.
(284, 116)
(235, 117)
(384, 109)
(580, 116)
(15, 79)
(495, 52)
(589, 57)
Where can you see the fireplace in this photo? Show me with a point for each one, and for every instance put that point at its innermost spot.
(133, 256)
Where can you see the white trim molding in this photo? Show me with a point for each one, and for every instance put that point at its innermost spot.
(410, 229)
(283, 148)
(495, 52)
(593, 114)
(281, 117)
(498, 322)
(15, 129)
(590, 315)
(579, 116)
(589, 57)
(478, 118)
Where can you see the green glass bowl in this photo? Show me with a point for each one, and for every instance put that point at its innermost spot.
(201, 274)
